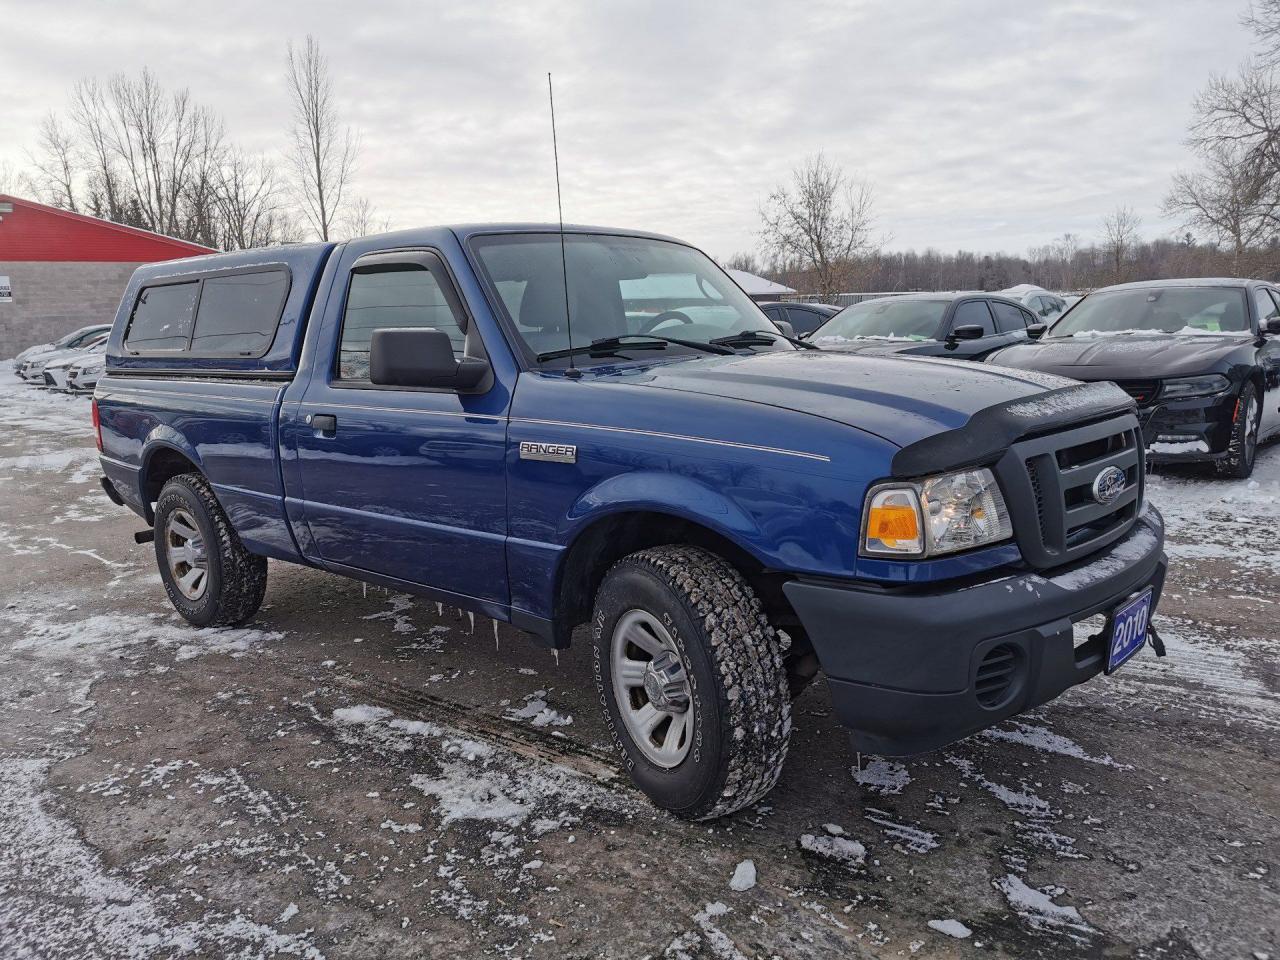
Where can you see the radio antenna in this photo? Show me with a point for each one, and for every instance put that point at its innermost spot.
(573, 372)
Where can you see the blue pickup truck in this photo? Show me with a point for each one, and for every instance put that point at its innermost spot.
(599, 428)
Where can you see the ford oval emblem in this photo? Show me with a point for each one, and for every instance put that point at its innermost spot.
(1109, 484)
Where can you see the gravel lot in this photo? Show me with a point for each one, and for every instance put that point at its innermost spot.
(365, 774)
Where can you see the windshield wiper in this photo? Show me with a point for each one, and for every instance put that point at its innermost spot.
(609, 346)
(759, 338)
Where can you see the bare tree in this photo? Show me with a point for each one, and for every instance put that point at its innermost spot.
(363, 219)
(743, 261)
(1120, 234)
(57, 165)
(1064, 250)
(1263, 18)
(1233, 200)
(248, 201)
(323, 151)
(821, 222)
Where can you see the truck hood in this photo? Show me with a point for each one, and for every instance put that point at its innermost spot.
(900, 399)
(1131, 356)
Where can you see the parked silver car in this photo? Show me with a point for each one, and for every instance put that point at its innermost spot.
(77, 338)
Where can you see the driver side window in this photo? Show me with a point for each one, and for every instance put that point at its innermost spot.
(1266, 306)
(974, 313)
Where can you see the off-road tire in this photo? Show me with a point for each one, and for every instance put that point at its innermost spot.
(741, 719)
(1238, 463)
(237, 579)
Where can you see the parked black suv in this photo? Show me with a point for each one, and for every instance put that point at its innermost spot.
(958, 326)
(1201, 357)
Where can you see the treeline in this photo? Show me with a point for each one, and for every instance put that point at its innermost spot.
(1064, 265)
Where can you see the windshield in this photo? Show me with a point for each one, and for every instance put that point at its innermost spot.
(889, 319)
(618, 286)
(1183, 310)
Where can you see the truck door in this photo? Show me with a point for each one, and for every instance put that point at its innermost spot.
(404, 482)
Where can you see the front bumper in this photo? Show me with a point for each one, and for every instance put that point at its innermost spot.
(907, 668)
(1194, 430)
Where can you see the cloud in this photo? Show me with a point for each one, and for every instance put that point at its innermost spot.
(988, 124)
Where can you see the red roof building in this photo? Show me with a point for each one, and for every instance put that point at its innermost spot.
(60, 270)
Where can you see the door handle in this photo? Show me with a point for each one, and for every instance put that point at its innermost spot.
(325, 424)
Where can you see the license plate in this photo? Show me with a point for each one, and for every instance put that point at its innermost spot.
(1128, 629)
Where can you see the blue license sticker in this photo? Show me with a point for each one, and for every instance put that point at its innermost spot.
(1129, 629)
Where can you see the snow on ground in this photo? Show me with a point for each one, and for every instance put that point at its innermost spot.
(68, 899)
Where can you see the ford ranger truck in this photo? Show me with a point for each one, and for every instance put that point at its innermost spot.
(621, 440)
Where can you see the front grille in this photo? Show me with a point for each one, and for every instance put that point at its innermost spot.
(995, 675)
(1144, 391)
(1048, 483)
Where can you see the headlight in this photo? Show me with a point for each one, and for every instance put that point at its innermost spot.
(1181, 388)
(942, 514)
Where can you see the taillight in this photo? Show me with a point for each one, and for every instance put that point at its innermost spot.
(97, 424)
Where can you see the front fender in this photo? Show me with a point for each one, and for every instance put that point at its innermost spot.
(650, 491)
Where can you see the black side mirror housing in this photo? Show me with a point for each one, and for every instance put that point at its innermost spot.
(969, 331)
(1036, 330)
(421, 357)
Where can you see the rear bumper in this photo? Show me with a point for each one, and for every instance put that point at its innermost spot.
(902, 664)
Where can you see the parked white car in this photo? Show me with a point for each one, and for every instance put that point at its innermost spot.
(83, 375)
(32, 369)
(77, 338)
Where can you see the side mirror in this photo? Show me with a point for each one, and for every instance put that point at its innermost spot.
(1036, 330)
(421, 357)
(969, 331)
(1272, 325)
(785, 326)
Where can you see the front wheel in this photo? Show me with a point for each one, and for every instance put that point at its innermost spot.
(211, 579)
(1243, 449)
(691, 678)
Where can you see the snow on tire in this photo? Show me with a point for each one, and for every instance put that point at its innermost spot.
(730, 659)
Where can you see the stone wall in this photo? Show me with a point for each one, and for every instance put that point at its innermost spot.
(50, 299)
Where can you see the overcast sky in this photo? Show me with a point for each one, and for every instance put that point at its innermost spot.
(983, 124)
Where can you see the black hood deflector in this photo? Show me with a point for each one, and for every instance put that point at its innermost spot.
(991, 431)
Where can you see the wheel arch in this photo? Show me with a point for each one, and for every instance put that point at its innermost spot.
(164, 457)
(606, 537)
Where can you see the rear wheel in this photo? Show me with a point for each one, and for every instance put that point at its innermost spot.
(1243, 449)
(691, 678)
(211, 579)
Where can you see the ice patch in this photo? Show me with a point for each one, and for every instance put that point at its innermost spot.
(537, 713)
(1037, 906)
(952, 928)
(912, 838)
(840, 849)
(1046, 741)
(744, 876)
(883, 776)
